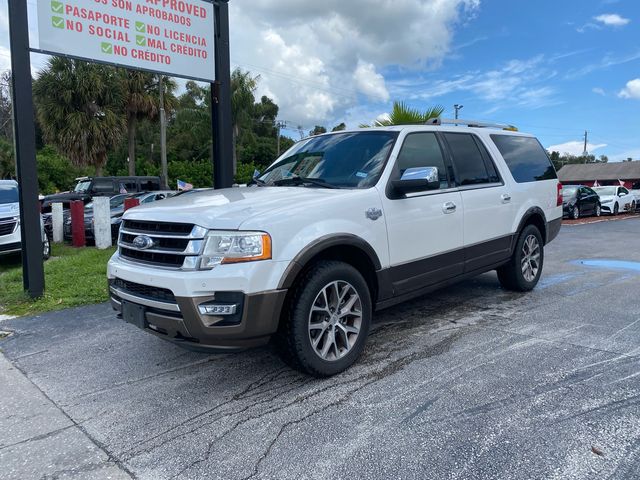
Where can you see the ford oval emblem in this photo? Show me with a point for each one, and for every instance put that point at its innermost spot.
(143, 242)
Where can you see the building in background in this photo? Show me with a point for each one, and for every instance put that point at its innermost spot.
(603, 173)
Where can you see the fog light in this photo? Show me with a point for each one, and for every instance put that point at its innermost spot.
(218, 309)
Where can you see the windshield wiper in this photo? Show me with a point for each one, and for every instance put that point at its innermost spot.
(258, 182)
(302, 180)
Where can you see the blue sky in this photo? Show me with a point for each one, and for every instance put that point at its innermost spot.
(552, 68)
(548, 67)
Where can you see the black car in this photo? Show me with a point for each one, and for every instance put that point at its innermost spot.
(89, 187)
(578, 201)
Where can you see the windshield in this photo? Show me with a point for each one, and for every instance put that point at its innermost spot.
(568, 192)
(605, 190)
(348, 160)
(8, 194)
(83, 186)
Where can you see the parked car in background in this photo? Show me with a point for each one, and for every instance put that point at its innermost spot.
(616, 199)
(117, 209)
(10, 236)
(578, 201)
(89, 187)
(635, 191)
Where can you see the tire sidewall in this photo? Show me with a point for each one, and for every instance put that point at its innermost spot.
(598, 210)
(517, 264)
(46, 248)
(575, 213)
(616, 209)
(301, 307)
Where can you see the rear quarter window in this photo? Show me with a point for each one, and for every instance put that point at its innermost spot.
(526, 158)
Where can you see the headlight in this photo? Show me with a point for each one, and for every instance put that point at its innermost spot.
(234, 247)
(608, 200)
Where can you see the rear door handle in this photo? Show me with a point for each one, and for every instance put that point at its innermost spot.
(506, 198)
(449, 207)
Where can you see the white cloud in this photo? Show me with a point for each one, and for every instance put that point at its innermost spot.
(316, 57)
(599, 91)
(632, 90)
(612, 20)
(370, 82)
(575, 148)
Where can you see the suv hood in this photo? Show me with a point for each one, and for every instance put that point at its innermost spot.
(229, 208)
(9, 210)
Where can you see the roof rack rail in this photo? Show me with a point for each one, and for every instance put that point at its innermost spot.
(470, 123)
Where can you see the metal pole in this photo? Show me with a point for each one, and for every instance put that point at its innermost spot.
(25, 148)
(221, 101)
(163, 137)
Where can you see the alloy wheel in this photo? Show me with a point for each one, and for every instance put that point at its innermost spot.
(335, 320)
(46, 247)
(575, 213)
(598, 210)
(530, 258)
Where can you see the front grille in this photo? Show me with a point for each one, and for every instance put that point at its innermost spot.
(174, 245)
(160, 228)
(145, 291)
(7, 226)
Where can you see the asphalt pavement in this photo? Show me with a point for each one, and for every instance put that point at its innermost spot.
(471, 382)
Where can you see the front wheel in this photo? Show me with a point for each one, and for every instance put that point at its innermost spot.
(327, 320)
(46, 247)
(598, 210)
(616, 210)
(523, 271)
(575, 213)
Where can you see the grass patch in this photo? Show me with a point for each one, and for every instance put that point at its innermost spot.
(73, 277)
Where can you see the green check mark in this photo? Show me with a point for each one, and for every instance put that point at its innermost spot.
(57, 22)
(141, 41)
(57, 7)
(107, 48)
(140, 27)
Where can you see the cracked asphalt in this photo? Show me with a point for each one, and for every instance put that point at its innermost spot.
(471, 382)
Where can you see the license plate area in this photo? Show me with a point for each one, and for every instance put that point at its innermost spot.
(134, 314)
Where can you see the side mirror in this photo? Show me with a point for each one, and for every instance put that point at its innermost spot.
(622, 194)
(418, 179)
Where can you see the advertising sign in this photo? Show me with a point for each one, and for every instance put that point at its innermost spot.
(175, 37)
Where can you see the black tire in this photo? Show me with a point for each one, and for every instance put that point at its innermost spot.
(511, 275)
(575, 213)
(633, 207)
(46, 247)
(616, 210)
(294, 339)
(598, 211)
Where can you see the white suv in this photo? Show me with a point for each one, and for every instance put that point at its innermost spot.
(341, 225)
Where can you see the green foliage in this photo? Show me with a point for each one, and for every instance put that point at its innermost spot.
(317, 130)
(7, 160)
(560, 161)
(199, 173)
(56, 173)
(340, 127)
(403, 114)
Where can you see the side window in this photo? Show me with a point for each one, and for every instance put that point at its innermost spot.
(130, 185)
(101, 185)
(149, 185)
(467, 160)
(624, 190)
(526, 158)
(423, 150)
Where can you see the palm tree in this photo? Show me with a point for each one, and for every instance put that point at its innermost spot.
(402, 114)
(242, 104)
(79, 107)
(142, 101)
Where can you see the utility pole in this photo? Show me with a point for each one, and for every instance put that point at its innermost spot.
(585, 152)
(163, 137)
(457, 108)
(280, 126)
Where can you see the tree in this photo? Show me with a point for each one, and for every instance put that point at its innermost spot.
(142, 101)
(339, 128)
(242, 103)
(7, 160)
(402, 114)
(79, 108)
(318, 130)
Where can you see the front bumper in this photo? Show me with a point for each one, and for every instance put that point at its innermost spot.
(181, 322)
(10, 243)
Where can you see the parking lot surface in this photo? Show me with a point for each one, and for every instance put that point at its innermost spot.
(466, 383)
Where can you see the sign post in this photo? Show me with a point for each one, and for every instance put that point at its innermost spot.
(221, 102)
(25, 148)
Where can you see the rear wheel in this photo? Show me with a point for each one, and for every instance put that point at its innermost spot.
(327, 321)
(616, 209)
(523, 272)
(46, 247)
(633, 207)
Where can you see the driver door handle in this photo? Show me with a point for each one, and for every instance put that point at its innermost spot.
(506, 198)
(449, 207)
